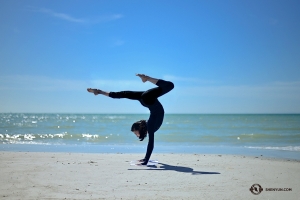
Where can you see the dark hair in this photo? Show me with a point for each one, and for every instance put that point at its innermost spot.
(140, 126)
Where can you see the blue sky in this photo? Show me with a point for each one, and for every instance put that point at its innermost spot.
(228, 56)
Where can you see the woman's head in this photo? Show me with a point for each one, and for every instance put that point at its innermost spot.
(139, 128)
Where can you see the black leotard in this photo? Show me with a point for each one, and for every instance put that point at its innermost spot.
(149, 100)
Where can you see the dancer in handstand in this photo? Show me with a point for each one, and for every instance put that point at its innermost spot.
(148, 99)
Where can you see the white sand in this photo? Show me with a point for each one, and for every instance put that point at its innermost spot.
(110, 176)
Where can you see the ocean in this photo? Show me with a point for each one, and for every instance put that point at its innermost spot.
(271, 135)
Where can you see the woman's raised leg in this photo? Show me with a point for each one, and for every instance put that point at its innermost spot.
(151, 95)
(117, 95)
(166, 86)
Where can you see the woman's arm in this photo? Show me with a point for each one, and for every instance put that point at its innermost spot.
(150, 148)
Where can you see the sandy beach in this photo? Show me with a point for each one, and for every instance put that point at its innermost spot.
(28, 175)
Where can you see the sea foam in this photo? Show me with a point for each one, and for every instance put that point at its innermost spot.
(286, 148)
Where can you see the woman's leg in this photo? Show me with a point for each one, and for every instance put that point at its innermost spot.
(133, 95)
(147, 78)
(151, 95)
(96, 92)
(148, 97)
(166, 86)
(117, 95)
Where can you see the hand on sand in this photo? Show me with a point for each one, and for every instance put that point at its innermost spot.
(143, 77)
(95, 91)
(141, 165)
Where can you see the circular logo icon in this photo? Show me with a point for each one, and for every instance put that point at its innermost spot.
(256, 189)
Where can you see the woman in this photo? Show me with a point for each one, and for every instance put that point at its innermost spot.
(149, 100)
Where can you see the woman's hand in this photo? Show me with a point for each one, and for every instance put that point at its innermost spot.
(141, 164)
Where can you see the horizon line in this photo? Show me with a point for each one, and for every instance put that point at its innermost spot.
(287, 113)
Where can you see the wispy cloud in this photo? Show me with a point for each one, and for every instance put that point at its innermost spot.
(106, 18)
(196, 98)
(115, 85)
(273, 21)
(276, 97)
(40, 83)
(62, 16)
(274, 90)
(68, 17)
(118, 43)
(16, 30)
(186, 79)
(43, 83)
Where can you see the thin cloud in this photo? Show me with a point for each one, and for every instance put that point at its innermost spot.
(119, 43)
(40, 83)
(62, 16)
(121, 85)
(16, 30)
(186, 79)
(273, 21)
(107, 18)
(69, 18)
(275, 90)
(197, 98)
(44, 83)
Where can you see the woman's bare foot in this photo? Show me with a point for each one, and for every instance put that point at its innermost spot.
(147, 78)
(95, 91)
(143, 77)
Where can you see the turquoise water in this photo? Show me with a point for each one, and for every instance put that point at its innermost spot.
(179, 132)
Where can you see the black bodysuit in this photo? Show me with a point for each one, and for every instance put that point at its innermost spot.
(149, 100)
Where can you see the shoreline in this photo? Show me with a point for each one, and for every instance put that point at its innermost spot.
(129, 148)
(53, 175)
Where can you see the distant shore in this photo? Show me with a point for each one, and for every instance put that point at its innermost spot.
(50, 175)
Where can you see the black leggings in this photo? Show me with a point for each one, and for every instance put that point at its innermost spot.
(148, 96)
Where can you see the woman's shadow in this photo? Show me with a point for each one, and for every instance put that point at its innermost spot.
(167, 167)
